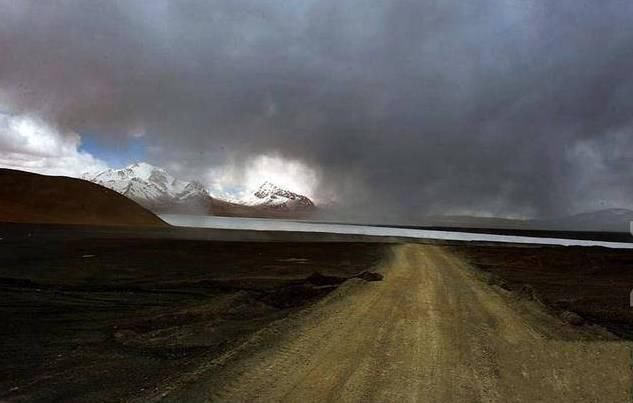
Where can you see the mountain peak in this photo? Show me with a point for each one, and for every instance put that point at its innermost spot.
(143, 166)
(145, 171)
(149, 185)
(268, 188)
(155, 189)
(269, 195)
(268, 184)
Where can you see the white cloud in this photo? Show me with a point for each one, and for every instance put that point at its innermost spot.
(31, 145)
(237, 182)
(600, 168)
(290, 175)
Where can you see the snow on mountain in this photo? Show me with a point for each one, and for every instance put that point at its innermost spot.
(150, 186)
(271, 196)
(157, 190)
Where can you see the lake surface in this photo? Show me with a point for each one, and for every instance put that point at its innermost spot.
(263, 224)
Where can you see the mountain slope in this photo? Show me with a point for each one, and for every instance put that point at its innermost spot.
(223, 208)
(32, 198)
(153, 188)
(270, 196)
(157, 190)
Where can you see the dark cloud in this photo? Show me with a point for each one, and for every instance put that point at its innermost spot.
(404, 107)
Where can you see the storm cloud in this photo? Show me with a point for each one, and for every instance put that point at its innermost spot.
(402, 108)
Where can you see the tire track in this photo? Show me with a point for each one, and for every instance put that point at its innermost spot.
(430, 331)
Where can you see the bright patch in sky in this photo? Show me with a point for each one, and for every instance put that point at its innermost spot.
(234, 183)
(290, 175)
(31, 145)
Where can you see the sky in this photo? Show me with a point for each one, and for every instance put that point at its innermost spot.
(116, 154)
(398, 109)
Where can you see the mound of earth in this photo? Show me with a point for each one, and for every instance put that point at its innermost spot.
(31, 198)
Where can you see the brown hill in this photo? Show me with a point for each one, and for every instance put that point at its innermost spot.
(31, 198)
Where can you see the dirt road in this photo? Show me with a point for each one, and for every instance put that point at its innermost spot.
(431, 331)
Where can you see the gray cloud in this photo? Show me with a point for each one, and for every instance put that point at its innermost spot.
(404, 107)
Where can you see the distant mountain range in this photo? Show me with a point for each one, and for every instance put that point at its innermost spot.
(27, 197)
(157, 190)
(152, 187)
(612, 220)
(607, 220)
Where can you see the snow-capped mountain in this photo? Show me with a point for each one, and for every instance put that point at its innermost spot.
(157, 190)
(271, 196)
(152, 187)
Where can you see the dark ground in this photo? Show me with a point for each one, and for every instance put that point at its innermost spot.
(94, 314)
(592, 282)
(107, 319)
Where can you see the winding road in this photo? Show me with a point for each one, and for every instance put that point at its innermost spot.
(430, 331)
